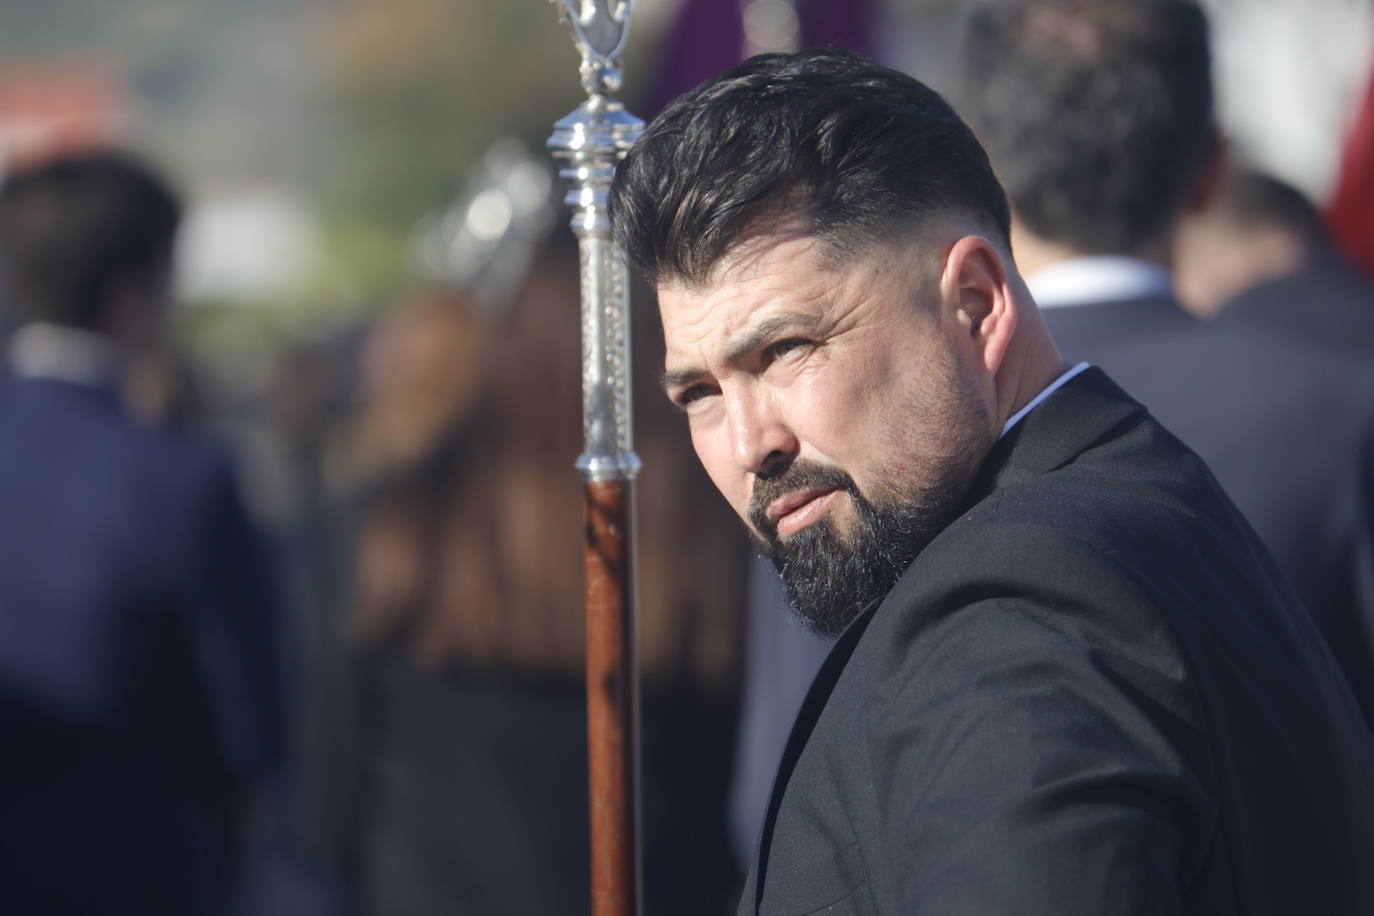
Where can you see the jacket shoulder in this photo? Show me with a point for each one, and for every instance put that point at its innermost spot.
(1026, 710)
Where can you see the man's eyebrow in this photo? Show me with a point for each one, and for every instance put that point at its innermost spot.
(766, 330)
(679, 377)
(751, 340)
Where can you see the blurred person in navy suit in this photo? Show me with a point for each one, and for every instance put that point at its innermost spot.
(1098, 117)
(137, 690)
(1260, 255)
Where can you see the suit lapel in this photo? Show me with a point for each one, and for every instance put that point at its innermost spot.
(816, 697)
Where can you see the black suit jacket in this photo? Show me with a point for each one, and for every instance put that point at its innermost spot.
(137, 682)
(1325, 301)
(1091, 694)
(1287, 428)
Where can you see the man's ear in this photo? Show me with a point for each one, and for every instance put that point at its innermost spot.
(977, 298)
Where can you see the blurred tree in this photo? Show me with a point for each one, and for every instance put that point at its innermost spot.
(422, 86)
(370, 110)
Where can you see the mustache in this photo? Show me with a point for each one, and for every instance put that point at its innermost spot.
(799, 475)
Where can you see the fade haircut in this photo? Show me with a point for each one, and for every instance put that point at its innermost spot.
(863, 153)
(73, 228)
(1097, 113)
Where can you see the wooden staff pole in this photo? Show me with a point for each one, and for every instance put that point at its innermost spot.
(589, 143)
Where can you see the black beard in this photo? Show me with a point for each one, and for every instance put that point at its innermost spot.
(831, 578)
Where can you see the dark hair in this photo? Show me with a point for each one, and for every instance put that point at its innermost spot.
(1254, 200)
(862, 151)
(73, 227)
(1097, 113)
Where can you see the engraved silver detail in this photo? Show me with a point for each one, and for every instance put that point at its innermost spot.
(588, 144)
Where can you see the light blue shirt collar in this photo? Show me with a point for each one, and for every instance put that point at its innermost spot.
(42, 350)
(1098, 279)
(1050, 389)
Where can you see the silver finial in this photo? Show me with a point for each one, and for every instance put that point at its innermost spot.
(588, 144)
(599, 27)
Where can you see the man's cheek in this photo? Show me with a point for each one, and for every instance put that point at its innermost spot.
(731, 484)
(828, 410)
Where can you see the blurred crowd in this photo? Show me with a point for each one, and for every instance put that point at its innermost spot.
(368, 699)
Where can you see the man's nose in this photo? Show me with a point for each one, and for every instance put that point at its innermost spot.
(764, 441)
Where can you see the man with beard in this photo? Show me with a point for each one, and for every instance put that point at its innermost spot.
(1068, 679)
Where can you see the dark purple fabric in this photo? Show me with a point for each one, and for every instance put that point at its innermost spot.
(827, 24)
(707, 38)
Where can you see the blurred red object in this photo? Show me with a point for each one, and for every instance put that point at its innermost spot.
(51, 108)
(1347, 214)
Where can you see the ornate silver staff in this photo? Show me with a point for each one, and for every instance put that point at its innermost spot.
(589, 143)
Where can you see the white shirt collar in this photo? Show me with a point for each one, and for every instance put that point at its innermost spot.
(1100, 278)
(67, 354)
(1050, 389)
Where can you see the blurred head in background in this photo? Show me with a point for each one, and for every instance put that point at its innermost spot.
(1258, 228)
(86, 242)
(1098, 117)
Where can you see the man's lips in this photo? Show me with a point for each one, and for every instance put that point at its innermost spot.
(799, 508)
